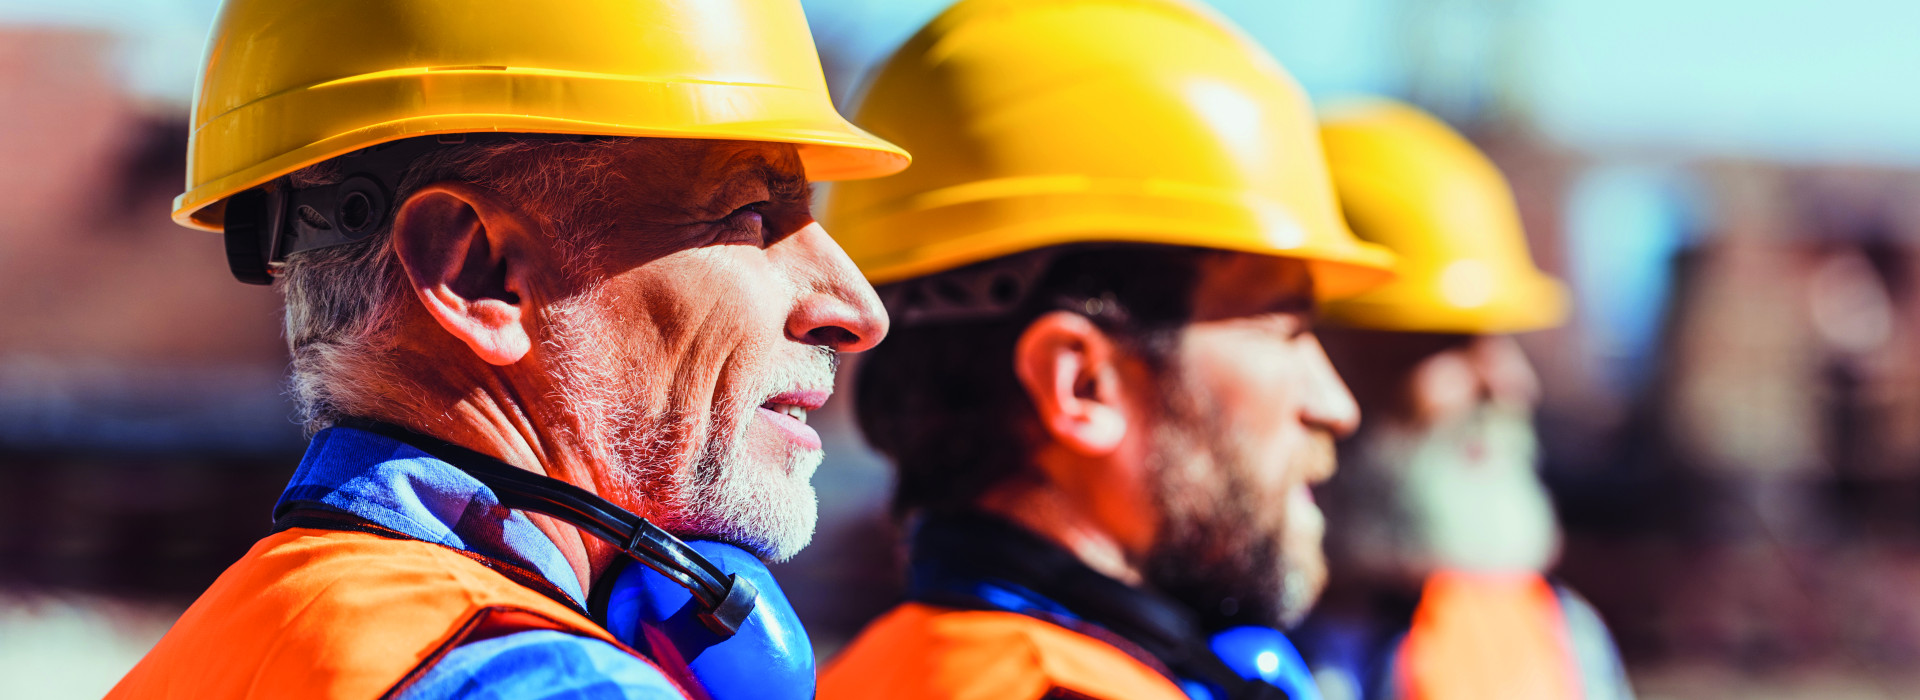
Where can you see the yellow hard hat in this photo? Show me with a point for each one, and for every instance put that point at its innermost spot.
(289, 83)
(1412, 184)
(1045, 122)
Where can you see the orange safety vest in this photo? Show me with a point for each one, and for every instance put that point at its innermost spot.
(921, 651)
(315, 613)
(1481, 636)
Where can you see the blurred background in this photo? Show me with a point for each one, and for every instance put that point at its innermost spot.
(1732, 421)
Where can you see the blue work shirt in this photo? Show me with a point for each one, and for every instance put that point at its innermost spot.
(393, 485)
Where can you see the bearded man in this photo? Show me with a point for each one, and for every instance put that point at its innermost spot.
(1441, 529)
(555, 300)
(1104, 398)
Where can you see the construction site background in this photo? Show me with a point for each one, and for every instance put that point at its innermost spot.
(1732, 420)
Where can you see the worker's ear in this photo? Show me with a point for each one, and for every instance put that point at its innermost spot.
(465, 257)
(1070, 370)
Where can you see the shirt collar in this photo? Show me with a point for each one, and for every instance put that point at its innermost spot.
(396, 486)
(1008, 567)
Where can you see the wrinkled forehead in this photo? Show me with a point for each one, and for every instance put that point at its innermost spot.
(1233, 285)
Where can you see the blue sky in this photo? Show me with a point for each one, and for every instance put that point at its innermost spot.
(1800, 80)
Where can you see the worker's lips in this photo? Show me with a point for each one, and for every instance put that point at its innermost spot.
(787, 413)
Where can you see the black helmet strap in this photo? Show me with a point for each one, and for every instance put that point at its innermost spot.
(265, 224)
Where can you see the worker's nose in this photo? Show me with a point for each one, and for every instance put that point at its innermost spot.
(1505, 375)
(837, 309)
(1327, 404)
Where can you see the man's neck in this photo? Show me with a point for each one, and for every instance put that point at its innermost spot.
(483, 418)
(1050, 514)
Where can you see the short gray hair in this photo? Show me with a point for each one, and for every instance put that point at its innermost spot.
(344, 303)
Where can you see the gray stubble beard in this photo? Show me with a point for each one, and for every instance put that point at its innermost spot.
(708, 492)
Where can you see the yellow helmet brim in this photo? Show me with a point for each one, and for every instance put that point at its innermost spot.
(830, 147)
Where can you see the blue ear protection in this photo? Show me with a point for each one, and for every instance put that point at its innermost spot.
(708, 613)
(769, 656)
(1265, 654)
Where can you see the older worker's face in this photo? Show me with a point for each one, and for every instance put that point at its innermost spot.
(1445, 475)
(690, 350)
(1251, 408)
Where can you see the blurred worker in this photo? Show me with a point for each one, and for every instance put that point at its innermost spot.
(1439, 526)
(555, 301)
(1104, 396)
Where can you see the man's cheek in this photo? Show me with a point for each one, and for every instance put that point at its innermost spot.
(1273, 454)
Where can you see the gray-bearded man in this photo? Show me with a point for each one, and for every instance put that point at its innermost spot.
(555, 299)
(1440, 531)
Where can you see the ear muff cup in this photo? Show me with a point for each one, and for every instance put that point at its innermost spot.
(769, 657)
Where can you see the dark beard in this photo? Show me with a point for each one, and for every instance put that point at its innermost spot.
(1216, 555)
